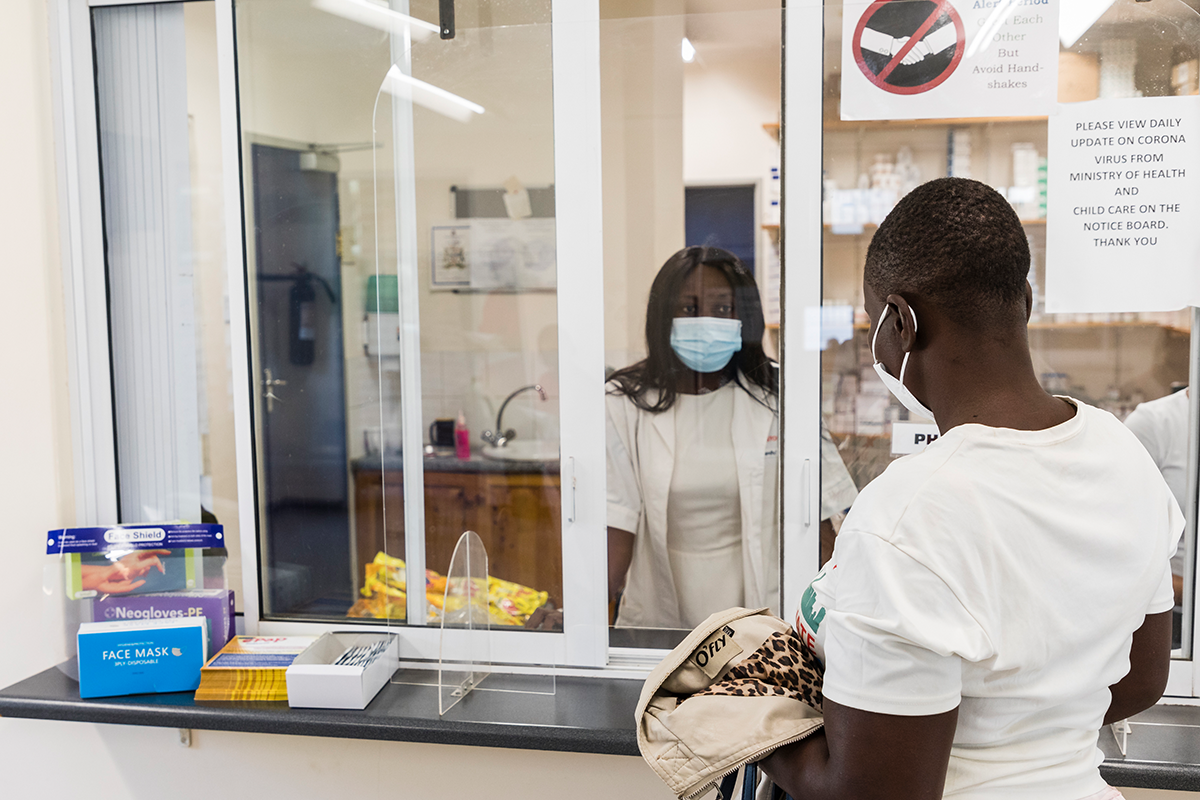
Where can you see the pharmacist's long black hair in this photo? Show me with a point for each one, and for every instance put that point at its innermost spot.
(657, 374)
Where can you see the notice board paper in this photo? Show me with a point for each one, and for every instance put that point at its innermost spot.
(1123, 192)
(937, 59)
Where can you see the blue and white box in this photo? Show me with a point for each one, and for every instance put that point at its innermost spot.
(141, 657)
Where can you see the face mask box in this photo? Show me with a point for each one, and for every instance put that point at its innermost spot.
(315, 680)
(142, 657)
(215, 606)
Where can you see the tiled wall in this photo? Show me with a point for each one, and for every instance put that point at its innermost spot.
(453, 381)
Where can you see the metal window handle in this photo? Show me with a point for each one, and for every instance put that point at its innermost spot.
(806, 493)
(269, 384)
(569, 484)
(446, 18)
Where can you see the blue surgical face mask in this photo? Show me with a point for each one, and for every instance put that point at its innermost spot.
(705, 344)
(896, 385)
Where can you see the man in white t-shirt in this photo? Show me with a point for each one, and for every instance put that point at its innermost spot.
(996, 598)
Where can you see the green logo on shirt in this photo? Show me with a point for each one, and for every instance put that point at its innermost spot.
(807, 601)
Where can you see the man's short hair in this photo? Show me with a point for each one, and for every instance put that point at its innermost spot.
(955, 243)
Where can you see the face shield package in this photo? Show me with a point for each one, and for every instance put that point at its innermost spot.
(136, 576)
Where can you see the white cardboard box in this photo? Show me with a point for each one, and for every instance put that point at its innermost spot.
(313, 681)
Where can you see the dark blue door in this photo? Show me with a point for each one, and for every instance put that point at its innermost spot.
(302, 374)
(721, 216)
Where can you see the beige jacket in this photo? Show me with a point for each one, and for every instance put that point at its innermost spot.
(738, 687)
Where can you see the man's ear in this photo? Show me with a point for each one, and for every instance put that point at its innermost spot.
(1028, 301)
(905, 321)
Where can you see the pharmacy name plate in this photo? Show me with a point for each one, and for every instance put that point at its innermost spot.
(1123, 194)
(912, 437)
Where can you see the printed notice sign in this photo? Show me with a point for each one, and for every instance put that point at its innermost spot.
(929, 59)
(1123, 192)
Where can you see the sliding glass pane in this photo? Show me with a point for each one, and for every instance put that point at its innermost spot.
(307, 82)
(691, 108)
(400, 194)
(160, 151)
(1135, 365)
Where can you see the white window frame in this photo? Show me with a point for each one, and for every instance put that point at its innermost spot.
(576, 51)
(583, 648)
(584, 643)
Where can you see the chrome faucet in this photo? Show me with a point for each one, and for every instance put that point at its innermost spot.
(501, 437)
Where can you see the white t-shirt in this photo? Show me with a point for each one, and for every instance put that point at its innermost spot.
(1162, 427)
(704, 511)
(1002, 572)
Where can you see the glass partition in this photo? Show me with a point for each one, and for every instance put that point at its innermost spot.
(1131, 364)
(466, 236)
(690, 129)
(400, 193)
(307, 86)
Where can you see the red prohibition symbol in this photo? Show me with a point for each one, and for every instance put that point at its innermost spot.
(909, 46)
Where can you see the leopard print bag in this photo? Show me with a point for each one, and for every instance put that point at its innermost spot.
(739, 686)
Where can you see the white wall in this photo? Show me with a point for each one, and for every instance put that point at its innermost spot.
(35, 434)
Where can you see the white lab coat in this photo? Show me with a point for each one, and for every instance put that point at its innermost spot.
(641, 460)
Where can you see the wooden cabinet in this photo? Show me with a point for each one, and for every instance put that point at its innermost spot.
(518, 516)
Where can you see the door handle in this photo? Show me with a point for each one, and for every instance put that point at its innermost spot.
(269, 384)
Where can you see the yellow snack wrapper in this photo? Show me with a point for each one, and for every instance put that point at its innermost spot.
(384, 594)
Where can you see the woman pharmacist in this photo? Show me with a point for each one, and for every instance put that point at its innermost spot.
(692, 437)
(993, 600)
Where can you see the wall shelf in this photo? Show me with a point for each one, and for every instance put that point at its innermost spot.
(837, 124)
(1064, 326)
(894, 124)
(872, 225)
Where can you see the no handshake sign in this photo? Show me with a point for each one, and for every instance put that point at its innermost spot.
(909, 46)
(936, 59)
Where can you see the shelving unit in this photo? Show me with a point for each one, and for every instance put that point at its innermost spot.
(1066, 326)
(839, 124)
(897, 124)
(1111, 363)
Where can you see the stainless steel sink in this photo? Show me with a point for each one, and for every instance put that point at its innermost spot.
(523, 450)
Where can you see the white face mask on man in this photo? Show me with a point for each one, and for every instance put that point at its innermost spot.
(896, 385)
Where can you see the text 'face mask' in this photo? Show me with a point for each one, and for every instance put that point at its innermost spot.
(705, 344)
(896, 385)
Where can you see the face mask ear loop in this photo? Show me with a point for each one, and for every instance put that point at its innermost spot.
(904, 363)
(876, 336)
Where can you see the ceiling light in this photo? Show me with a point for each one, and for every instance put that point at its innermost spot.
(373, 15)
(406, 87)
(689, 51)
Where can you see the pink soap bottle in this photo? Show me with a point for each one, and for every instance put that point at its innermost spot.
(462, 438)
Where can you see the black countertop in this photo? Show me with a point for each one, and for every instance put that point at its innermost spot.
(1162, 750)
(584, 715)
(448, 463)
